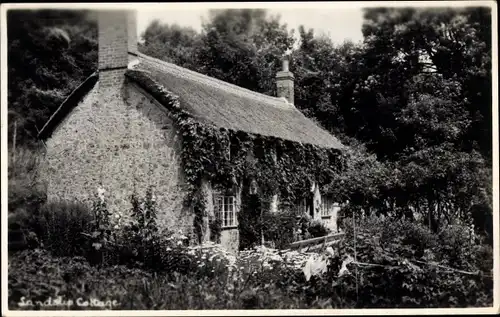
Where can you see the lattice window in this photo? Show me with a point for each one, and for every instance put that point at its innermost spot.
(328, 207)
(225, 210)
(302, 206)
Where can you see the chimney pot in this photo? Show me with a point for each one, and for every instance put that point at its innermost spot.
(284, 81)
(285, 64)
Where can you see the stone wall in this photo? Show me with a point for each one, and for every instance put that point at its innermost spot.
(331, 221)
(230, 239)
(122, 140)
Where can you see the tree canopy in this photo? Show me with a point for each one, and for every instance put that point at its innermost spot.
(50, 52)
(413, 100)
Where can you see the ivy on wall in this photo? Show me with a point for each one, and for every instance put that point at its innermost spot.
(226, 158)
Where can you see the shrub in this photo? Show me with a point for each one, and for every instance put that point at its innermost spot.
(213, 280)
(410, 264)
(36, 275)
(280, 228)
(207, 277)
(456, 246)
(59, 226)
(317, 229)
(215, 226)
(26, 192)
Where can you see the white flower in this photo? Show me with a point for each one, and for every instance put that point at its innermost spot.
(100, 193)
(314, 267)
(179, 242)
(100, 190)
(344, 269)
(275, 257)
(116, 227)
(330, 251)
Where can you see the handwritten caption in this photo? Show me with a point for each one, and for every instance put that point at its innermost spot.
(59, 301)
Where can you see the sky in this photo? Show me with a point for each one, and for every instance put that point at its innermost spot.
(339, 23)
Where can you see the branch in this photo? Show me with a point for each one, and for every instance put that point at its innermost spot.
(90, 236)
(450, 270)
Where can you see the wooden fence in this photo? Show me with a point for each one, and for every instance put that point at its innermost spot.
(316, 244)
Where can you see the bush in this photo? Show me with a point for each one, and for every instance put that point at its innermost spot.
(37, 275)
(317, 229)
(212, 281)
(26, 192)
(456, 247)
(280, 228)
(260, 278)
(409, 267)
(57, 226)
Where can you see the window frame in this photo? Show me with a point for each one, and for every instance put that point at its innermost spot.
(225, 209)
(302, 207)
(327, 207)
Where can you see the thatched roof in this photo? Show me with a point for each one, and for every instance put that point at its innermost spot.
(68, 104)
(228, 106)
(217, 102)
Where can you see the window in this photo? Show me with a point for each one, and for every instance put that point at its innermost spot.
(303, 206)
(225, 210)
(328, 207)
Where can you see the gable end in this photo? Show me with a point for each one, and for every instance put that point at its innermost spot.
(69, 104)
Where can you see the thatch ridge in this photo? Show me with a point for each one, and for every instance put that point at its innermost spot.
(231, 107)
(217, 102)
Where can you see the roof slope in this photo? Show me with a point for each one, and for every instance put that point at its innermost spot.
(228, 106)
(68, 104)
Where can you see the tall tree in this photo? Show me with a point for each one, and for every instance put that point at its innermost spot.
(243, 47)
(322, 70)
(49, 53)
(171, 43)
(418, 94)
(451, 45)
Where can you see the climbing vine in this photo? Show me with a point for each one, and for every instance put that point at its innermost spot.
(226, 158)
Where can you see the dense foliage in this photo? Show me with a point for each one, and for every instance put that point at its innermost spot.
(227, 159)
(381, 263)
(50, 52)
(418, 88)
(128, 259)
(413, 102)
(26, 191)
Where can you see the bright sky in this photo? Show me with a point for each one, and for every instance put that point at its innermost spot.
(339, 23)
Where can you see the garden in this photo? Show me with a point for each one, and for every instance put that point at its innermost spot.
(76, 257)
(412, 102)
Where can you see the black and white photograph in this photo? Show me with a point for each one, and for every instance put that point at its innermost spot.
(249, 158)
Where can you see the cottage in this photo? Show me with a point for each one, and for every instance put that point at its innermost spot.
(122, 129)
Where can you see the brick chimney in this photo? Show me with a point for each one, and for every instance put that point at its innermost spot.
(284, 80)
(117, 37)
